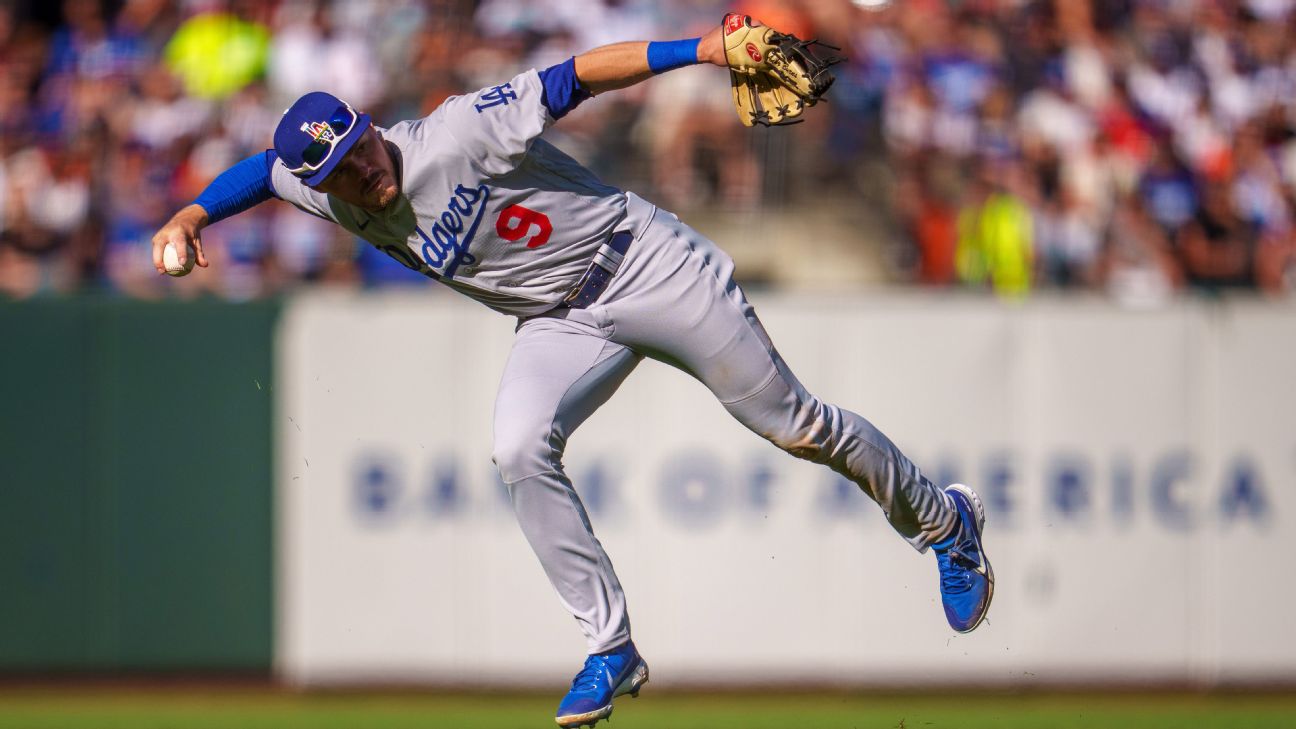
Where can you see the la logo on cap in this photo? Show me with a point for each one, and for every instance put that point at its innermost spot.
(319, 131)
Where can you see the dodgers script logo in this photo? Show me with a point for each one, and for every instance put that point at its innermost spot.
(454, 230)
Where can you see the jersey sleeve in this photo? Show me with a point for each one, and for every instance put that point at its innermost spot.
(287, 187)
(240, 188)
(496, 125)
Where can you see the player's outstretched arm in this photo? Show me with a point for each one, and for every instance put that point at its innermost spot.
(619, 65)
(239, 188)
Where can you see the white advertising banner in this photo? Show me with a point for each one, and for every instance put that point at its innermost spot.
(1139, 470)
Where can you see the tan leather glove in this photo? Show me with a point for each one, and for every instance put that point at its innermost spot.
(774, 76)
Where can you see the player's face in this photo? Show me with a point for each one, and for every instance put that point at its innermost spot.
(366, 176)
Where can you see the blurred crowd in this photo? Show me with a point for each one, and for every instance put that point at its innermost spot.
(1140, 148)
(1136, 147)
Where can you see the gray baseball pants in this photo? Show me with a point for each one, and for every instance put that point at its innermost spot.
(674, 299)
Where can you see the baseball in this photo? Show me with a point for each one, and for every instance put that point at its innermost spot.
(171, 260)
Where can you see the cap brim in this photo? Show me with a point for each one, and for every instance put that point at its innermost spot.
(362, 124)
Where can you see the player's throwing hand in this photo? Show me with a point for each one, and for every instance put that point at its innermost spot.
(181, 231)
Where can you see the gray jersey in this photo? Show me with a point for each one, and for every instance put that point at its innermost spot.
(485, 207)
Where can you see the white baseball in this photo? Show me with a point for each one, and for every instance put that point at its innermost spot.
(171, 260)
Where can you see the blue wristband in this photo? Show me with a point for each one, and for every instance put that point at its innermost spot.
(669, 55)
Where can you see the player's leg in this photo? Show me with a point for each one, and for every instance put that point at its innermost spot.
(678, 303)
(559, 372)
(676, 300)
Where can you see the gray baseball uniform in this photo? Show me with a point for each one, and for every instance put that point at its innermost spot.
(505, 218)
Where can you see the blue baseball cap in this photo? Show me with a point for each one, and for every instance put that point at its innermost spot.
(315, 133)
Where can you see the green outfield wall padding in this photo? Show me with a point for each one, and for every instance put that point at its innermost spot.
(136, 485)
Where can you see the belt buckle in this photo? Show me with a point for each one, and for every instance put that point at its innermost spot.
(579, 284)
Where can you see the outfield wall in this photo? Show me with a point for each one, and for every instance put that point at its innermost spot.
(135, 486)
(1139, 469)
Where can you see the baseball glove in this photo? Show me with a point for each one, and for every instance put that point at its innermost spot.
(775, 76)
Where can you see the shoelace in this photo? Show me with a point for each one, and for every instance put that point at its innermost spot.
(587, 679)
(955, 580)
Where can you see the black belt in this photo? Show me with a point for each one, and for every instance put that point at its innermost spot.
(595, 280)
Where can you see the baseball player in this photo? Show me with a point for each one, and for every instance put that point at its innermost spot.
(598, 279)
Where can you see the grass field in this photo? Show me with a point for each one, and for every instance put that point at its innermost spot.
(237, 709)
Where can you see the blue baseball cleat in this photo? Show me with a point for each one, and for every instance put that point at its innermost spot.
(966, 580)
(604, 677)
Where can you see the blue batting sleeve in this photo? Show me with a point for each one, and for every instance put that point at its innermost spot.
(239, 188)
(669, 55)
(562, 90)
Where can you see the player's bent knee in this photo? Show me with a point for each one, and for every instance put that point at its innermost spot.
(802, 444)
(516, 462)
(519, 454)
(806, 434)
